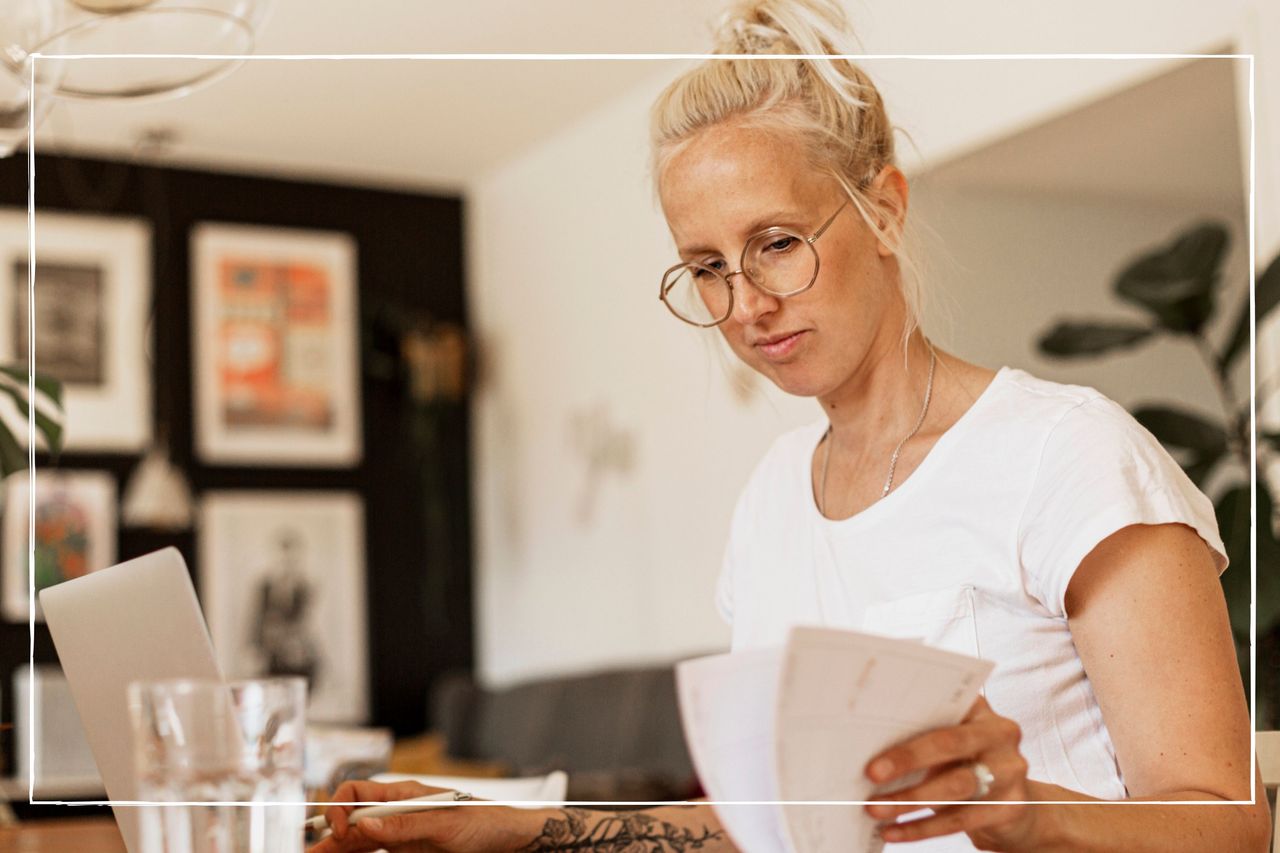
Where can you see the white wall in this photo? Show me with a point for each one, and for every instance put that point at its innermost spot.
(566, 246)
(1014, 264)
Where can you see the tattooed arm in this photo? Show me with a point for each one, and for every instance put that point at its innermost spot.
(662, 829)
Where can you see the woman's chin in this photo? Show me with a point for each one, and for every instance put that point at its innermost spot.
(795, 382)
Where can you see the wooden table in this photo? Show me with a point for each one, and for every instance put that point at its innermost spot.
(71, 835)
(425, 754)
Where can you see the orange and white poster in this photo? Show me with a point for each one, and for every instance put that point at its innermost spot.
(277, 381)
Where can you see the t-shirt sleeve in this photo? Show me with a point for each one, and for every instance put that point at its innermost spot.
(1100, 471)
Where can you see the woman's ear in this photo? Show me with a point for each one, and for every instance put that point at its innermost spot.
(890, 191)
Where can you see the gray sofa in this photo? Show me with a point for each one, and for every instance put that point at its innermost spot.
(617, 734)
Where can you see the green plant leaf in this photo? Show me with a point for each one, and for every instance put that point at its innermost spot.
(1233, 525)
(12, 457)
(1266, 296)
(1198, 444)
(47, 385)
(48, 427)
(1198, 468)
(1179, 429)
(1175, 282)
(1071, 339)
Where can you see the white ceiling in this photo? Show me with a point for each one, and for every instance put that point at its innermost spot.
(438, 125)
(1171, 139)
(426, 124)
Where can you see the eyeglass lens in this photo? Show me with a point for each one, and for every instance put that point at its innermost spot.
(778, 262)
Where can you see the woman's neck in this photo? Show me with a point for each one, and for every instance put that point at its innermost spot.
(883, 398)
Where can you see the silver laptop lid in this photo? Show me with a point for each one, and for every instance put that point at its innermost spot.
(135, 621)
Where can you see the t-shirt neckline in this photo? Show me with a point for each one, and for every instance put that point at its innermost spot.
(932, 460)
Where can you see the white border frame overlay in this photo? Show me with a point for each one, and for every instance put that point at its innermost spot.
(446, 57)
(334, 252)
(118, 412)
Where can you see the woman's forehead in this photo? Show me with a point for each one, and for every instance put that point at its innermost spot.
(738, 155)
(714, 189)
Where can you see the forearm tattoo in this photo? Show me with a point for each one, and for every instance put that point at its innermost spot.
(616, 832)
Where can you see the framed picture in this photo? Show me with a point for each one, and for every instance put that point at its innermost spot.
(276, 358)
(63, 762)
(75, 532)
(93, 294)
(282, 586)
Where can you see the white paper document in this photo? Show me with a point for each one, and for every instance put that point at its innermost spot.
(800, 723)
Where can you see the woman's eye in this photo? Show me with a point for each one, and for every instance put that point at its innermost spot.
(781, 244)
(714, 263)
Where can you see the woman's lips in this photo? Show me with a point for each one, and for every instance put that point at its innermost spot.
(781, 348)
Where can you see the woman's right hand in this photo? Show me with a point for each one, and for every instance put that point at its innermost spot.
(458, 829)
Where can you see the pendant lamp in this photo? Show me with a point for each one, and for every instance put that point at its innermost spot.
(215, 30)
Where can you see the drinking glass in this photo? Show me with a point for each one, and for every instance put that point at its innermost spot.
(219, 764)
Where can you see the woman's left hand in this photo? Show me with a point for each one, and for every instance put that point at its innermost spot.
(946, 757)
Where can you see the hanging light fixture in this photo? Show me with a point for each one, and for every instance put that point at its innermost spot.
(25, 22)
(158, 495)
(216, 30)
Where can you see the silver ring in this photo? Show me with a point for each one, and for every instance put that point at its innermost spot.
(983, 778)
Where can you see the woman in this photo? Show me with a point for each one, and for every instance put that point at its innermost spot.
(1033, 523)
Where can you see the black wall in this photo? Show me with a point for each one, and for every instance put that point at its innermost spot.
(410, 262)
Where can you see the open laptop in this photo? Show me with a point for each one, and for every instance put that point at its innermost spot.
(139, 620)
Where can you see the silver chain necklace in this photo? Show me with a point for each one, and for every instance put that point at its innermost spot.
(893, 460)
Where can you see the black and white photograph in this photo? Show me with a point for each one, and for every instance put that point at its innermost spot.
(282, 585)
(69, 323)
(92, 289)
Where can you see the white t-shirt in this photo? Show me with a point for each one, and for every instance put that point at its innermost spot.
(973, 552)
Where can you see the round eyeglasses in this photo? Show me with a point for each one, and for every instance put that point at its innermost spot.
(777, 260)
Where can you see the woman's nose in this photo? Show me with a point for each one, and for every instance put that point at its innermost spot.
(750, 303)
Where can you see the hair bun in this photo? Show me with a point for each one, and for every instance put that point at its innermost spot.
(748, 28)
(813, 27)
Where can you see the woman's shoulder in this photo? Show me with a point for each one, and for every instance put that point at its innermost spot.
(1040, 409)
(1070, 410)
(1038, 397)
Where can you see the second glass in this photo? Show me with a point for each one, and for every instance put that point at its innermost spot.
(220, 764)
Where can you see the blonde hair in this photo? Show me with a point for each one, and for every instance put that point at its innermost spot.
(827, 101)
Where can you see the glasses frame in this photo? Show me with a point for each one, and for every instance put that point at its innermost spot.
(663, 288)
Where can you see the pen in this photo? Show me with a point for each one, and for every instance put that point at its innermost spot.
(431, 801)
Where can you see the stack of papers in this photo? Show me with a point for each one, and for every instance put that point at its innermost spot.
(799, 725)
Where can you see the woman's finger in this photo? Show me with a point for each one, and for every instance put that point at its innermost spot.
(984, 734)
(954, 783)
(949, 819)
(363, 791)
(352, 844)
(429, 828)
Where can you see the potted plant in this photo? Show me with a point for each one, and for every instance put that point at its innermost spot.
(1176, 285)
(48, 410)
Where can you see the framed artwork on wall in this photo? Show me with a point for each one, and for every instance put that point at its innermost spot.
(276, 342)
(63, 762)
(75, 532)
(92, 297)
(282, 584)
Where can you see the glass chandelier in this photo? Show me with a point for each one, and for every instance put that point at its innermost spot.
(216, 30)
